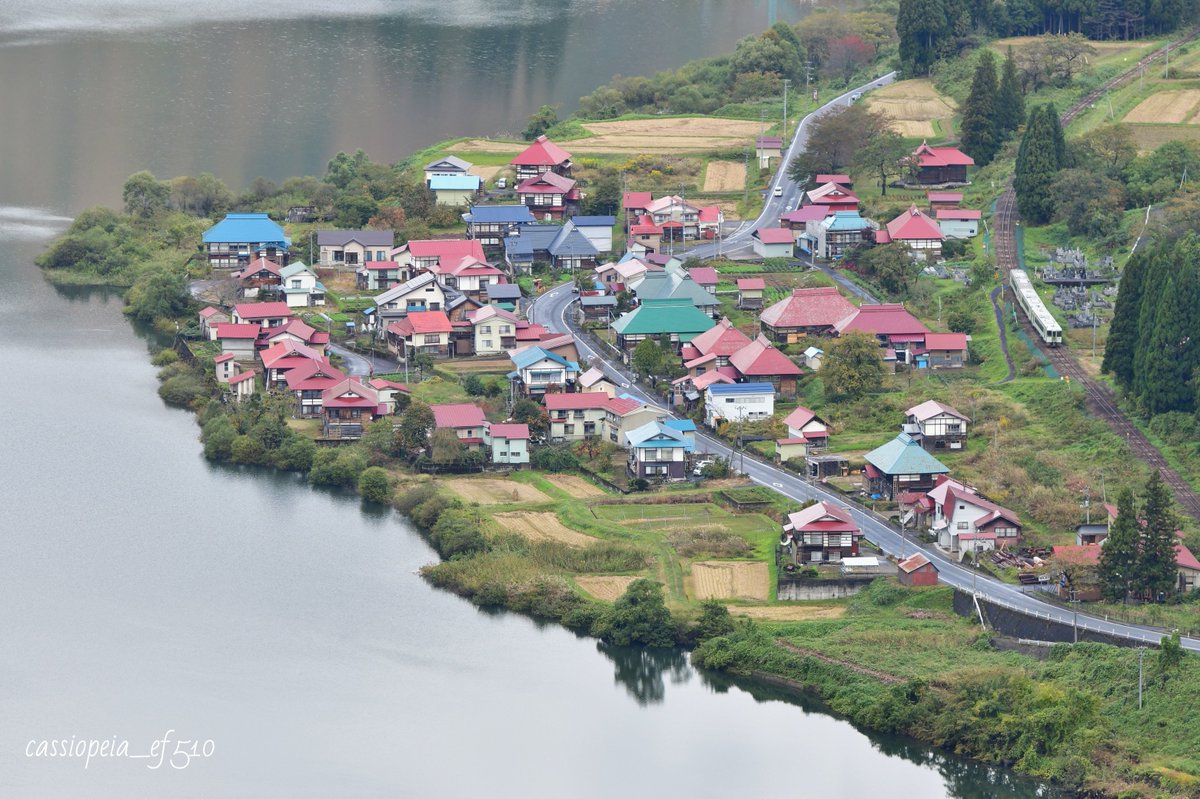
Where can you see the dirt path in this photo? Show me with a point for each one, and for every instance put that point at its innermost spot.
(882, 676)
(999, 311)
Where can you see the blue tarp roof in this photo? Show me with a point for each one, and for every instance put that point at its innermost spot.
(246, 229)
(655, 434)
(500, 213)
(741, 388)
(454, 182)
(595, 221)
(682, 425)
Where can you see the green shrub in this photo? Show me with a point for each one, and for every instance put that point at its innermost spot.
(456, 534)
(554, 459)
(295, 454)
(183, 390)
(165, 357)
(218, 435)
(409, 497)
(639, 616)
(375, 485)
(426, 514)
(249, 450)
(338, 468)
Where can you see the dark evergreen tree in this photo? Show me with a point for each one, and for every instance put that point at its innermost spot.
(1155, 573)
(921, 26)
(1054, 125)
(1123, 332)
(1037, 165)
(979, 130)
(1152, 294)
(1010, 100)
(1118, 557)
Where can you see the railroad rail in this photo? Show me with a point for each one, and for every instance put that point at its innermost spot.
(1098, 396)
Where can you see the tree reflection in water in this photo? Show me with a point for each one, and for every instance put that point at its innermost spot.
(642, 671)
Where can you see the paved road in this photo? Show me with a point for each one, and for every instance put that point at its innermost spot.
(552, 310)
(774, 207)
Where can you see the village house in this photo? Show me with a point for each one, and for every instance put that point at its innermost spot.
(539, 371)
(833, 196)
(672, 283)
(813, 357)
(508, 443)
(901, 465)
(379, 275)
(449, 166)
(759, 361)
(623, 414)
(734, 402)
(959, 223)
(807, 434)
(750, 293)
(495, 330)
(916, 230)
(300, 286)
(298, 331)
(943, 351)
(616, 276)
(941, 165)
(561, 344)
(678, 320)
(766, 148)
(264, 314)
(225, 367)
(936, 426)
(574, 417)
(388, 391)
(353, 247)
(435, 255)
(347, 408)
(530, 245)
(597, 307)
(238, 339)
(678, 219)
(421, 332)
(838, 233)
(943, 200)
(454, 190)
(713, 348)
(598, 230)
(209, 318)
(549, 195)
(839, 178)
(309, 381)
(898, 331)
(710, 219)
(644, 236)
(468, 275)
(800, 220)
(963, 520)
(238, 239)
(1095, 532)
(466, 420)
(422, 293)
(504, 295)
(821, 533)
(705, 277)
(541, 157)
(917, 569)
(773, 242)
(594, 380)
(657, 452)
(571, 250)
(281, 357)
(635, 205)
(258, 274)
(490, 224)
(806, 312)
(243, 385)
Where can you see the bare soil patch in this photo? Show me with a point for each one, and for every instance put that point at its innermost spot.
(606, 587)
(575, 485)
(715, 579)
(725, 176)
(543, 527)
(672, 135)
(485, 173)
(493, 492)
(790, 612)
(1166, 107)
(913, 106)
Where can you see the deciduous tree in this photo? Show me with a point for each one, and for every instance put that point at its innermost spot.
(853, 365)
(540, 121)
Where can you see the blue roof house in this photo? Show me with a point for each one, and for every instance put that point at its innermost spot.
(901, 465)
(490, 224)
(539, 368)
(238, 239)
(454, 190)
(738, 402)
(657, 452)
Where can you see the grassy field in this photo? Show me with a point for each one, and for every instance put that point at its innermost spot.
(916, 108)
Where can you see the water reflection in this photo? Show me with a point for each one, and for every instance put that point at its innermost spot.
(643, 672)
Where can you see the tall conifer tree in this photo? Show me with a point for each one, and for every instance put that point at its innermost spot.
(1038, 162)
(980, 139)
(1010, 100)
(1118, 557)
(1123, 332)
(1156, 573)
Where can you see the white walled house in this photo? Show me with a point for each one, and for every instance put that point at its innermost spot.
(495, 330)
(733, 402)
(966, 522)
(959, 223)
(508, 443)
(936, 426)
(300, 286)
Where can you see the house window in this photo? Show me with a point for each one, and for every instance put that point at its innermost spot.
(487, 344)
(568, 429)
(486, 329)
(432, 339)
(963, 526)
(295, 284)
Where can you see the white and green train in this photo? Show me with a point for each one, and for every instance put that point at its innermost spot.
(1041, 319)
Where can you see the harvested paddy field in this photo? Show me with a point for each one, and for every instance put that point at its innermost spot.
(574, 485)
(725, 176)
(1167, 107)
(492, 492)
(673, 135)
(790, 612)
(485, 173)
(717, 579)
(1150, 137)
(606, 587)
(543, 526)
(915, 107)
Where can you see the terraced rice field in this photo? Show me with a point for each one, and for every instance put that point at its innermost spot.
(915, 107)
(543, 527)
(727, 579)
(493, 492)
(725, 176)
(606, 587)
(575, 485)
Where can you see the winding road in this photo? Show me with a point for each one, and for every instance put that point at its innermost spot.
(552, 309)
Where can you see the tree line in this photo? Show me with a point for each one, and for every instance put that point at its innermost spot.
(1138, 559)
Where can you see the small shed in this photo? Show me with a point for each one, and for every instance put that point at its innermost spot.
(822, 466)
(772, 242)
(750, 292)
(866, 565)
(917, 570)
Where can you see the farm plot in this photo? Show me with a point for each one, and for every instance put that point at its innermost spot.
(575, 485)
(606, 587)
(790, 612)
(715, 579)
(543, 527)
(485, 173)
(672, 135)
(493, 492)
(915, 107)
(1166, 107)
(725, 176)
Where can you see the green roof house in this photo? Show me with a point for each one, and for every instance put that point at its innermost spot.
(679, 319)
(901, 465)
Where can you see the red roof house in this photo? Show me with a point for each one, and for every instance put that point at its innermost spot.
(939, 200)
(833, 195)
(310, 380)
(890, 323)
(268, 314)
(941, 164)
(465, 419)
(821, 532)
(805, 312)
(799, 219)
(540, 157)
(760, 362)
(348, 407)
(917, 569)
(548, 193)
(432, 253)
(719, 341)
(916, 229)
(840, 179)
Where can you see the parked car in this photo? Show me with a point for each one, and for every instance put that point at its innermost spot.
(502, 183)
(854, 98)
(779, 191)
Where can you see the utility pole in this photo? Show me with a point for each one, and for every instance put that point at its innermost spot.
(786, 83)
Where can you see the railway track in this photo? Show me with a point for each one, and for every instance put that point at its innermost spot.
(1098, 396)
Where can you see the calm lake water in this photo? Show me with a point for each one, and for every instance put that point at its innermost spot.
(144, 591)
